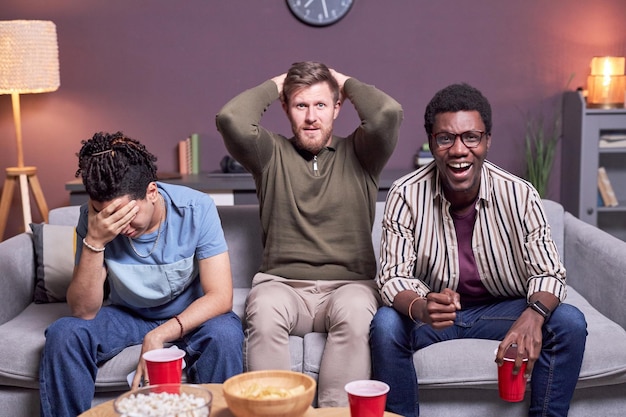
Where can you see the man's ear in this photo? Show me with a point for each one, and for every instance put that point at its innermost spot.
(336, 109)
(152, 193)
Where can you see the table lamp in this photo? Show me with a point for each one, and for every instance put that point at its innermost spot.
(606, 84)
(29, 63)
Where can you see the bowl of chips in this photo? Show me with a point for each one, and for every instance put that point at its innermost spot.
(269, 393)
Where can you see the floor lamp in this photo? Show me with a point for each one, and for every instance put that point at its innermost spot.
(29, 63)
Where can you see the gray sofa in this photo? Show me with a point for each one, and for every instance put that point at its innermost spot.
(457, 378)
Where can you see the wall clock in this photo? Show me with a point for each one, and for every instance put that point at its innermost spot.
(319, 12)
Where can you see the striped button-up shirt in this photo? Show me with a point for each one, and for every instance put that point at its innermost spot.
(511, 242)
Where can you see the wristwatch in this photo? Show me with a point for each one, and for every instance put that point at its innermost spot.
(541, 309)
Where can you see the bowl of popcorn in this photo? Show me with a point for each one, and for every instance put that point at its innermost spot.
(269, 393)
(165, 400)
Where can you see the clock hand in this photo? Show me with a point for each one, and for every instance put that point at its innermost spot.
(325, 8)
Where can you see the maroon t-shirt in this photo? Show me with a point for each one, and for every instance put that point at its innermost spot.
(470, 287)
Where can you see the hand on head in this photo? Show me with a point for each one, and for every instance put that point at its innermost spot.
(341, 79)
(279, 80)
(110, 221)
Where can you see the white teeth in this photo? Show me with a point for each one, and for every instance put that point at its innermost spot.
(460, 165)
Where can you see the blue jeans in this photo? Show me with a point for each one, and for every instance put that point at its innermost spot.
(394, 338)
(75, 348)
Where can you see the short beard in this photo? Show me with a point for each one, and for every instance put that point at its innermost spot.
(310, 146)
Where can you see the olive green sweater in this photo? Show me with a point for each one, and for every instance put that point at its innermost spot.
(316, 225)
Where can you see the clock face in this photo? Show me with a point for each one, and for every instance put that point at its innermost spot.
(319, 12)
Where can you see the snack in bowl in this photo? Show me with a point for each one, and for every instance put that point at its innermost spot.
(165, 400)
(258, 391)
(269, 393)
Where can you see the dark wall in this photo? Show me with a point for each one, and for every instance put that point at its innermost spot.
(161, 69)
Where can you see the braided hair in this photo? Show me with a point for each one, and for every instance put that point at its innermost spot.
(114, 165)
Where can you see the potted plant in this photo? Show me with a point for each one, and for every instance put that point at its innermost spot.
(541, 142)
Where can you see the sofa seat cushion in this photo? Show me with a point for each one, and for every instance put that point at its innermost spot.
(23, 340)
(604, 362)
(313, 349)
(22, 343)
(113, 373)
(239, 301)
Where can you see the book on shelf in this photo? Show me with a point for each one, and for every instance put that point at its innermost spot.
(195, 153)
(184, 156)
(613, 140)
(189, 155)
(606, 190)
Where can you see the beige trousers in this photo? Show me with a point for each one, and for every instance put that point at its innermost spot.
(277, 307)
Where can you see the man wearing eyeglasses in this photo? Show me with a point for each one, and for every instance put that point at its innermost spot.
(466, 252)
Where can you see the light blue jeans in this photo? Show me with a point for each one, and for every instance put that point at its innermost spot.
(75, 348)
(394, 338)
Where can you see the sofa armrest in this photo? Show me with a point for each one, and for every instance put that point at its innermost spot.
(17, 275)
(596, 267)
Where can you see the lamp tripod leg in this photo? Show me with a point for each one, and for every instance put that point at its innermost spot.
(39, 198)
(25, 201)
(27, 176)
(5, 203)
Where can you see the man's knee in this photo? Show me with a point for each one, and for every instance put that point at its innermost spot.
(354, 303)
(226, 328)
(64, 331)
(569, 320)
(267, 305)
(386, 322)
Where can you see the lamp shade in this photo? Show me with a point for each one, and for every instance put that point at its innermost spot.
(29, 57)
(607, 65)
(606, 83)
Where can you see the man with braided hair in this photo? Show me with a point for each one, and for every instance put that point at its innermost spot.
(161, 249)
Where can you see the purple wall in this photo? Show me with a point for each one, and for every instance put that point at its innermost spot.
(160, 69)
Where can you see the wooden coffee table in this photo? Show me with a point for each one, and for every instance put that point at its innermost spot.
(220, 409)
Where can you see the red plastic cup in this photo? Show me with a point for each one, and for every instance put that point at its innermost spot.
(511, 387)
(367, 398)
(165, 366)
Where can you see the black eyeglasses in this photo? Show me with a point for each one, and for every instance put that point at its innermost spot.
(471, 138)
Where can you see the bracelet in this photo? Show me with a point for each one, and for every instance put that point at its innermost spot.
(93, 248)
(182, 329)
(411, 306)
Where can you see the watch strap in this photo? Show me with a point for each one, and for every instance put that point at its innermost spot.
(540, 308)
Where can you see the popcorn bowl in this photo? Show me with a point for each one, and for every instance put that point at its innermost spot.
(165, 400)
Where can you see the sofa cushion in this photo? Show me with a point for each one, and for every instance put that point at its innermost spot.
(554, 212)
(22, 343)
(55, 247)
(239, 302)
(113, 373)
(23, 339)
(604, 362)
(313, 349)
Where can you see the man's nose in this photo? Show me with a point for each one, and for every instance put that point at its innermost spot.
(311, 115)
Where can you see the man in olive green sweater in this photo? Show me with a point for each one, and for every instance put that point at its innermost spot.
(317, 195)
